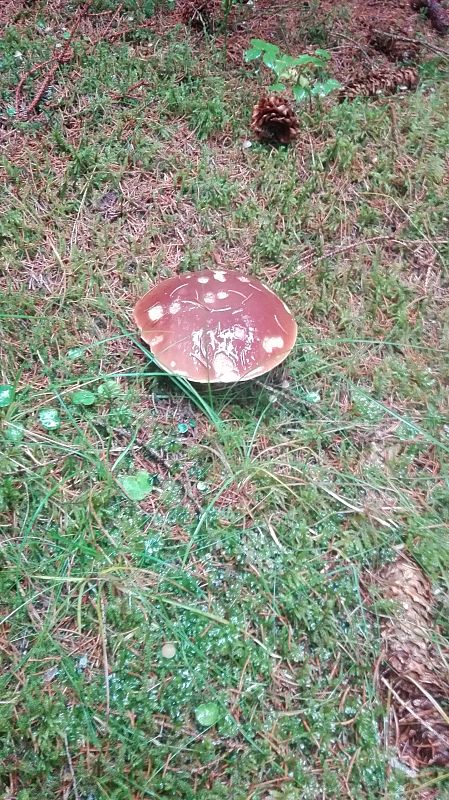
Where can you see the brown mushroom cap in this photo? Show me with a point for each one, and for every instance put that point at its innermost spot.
(215, 326)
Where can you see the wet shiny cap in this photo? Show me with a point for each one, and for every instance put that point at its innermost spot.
(215, 326)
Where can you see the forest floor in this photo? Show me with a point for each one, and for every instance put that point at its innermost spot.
(221, 637)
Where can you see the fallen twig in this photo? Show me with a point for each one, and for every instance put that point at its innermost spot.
(363, 242)
(119, 95)
(112, 20)
(420, 42)
(113, 35)
(65, 56)
(61, 57)
(102, 629)
(24, 77)
(72, 771)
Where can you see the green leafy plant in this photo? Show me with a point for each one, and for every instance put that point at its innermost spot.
(138, 486)
(49, 419)
(305, 75)
(6, 395)
(82, 397)
(207, 714)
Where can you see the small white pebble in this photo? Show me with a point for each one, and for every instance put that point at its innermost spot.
(168, 650)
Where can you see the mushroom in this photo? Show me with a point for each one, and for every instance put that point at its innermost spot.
(214, 326)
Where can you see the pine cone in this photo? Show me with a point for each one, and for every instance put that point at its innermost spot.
(412, 671)
(274, 120)
(392, 46)
(406, 634)
(380, 82)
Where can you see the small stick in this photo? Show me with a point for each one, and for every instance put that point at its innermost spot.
(413, 713)
(41, 91)
(111, 37)
(420, 42)
(353, 43)
(72, 771)
(102, 627)
(112, 20)
(361, 243)
(344, 249)
(119, 95)
(60, 58)
(394, 125)
(24, 77)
